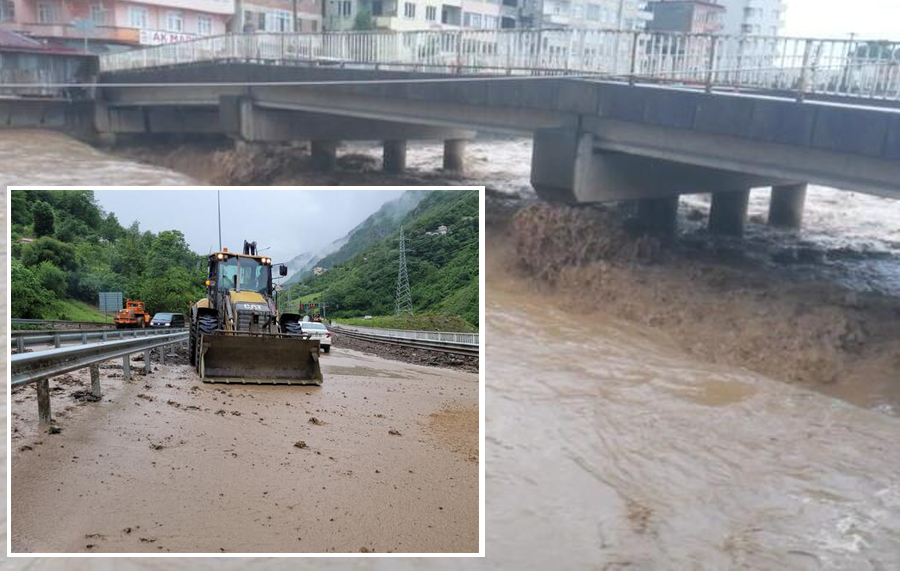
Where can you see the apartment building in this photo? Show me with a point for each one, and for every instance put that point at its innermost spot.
(686, 16)
(601, 14)
(420, 14)
(276, 15)
(753, 17)
(110, 23)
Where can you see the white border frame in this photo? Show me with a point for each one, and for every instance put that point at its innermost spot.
(481, 370)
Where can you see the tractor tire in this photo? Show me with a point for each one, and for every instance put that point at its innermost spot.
(293, 327)
(205, 324)
(193, 344)
(326, 348)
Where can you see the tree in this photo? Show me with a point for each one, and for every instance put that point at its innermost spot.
(20, 208)
(169, 249)
(51, 278)
(363, 19)
(173, 290)
(43, 219)
(29, 299)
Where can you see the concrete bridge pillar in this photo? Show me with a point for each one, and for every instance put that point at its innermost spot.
(786, 206)
(659, 215)
(454, 154)
(394, 158)
(728, 212)
(324, 155)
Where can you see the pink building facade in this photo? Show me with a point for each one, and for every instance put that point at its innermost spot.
(149, 22)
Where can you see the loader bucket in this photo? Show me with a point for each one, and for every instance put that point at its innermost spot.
(249, 358)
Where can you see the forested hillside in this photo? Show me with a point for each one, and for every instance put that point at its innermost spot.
(65, 250)
(443, 267)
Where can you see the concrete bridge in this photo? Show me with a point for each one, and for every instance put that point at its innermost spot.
(614, 116)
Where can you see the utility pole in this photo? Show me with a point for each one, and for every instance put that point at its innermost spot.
(219, 207)
(404, 299)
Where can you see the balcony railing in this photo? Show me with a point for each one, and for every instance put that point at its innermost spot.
(856, 68)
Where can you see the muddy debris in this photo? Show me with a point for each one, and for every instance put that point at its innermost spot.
(300, 444)
(84, 396)
(394, 432)
(316, 421)
(156, 446)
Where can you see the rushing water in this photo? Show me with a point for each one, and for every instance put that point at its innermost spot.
(605, 448)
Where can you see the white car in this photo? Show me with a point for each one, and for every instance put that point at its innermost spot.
(318, 331)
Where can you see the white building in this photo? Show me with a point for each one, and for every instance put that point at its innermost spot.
(752, 17)
(585, 13)
(418, 14)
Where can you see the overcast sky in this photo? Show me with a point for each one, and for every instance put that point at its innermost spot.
(287, 221)
(870, 19)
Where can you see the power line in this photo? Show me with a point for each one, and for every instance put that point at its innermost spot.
(404, 299)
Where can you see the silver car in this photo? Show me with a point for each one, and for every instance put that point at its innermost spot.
(318, 331)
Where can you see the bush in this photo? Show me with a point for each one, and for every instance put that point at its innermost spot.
(51, 250)
(51, 278)
(30, 300)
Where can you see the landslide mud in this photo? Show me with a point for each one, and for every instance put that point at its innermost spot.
(715, 303)
(409, 354)
(167, 464)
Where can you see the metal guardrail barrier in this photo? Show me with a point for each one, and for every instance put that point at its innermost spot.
(858, 68)
(23, 339)
(462, 338)
(39, 366)
(377, 335)
(51, 323)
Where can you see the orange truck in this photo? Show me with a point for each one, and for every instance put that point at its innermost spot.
(134, 315)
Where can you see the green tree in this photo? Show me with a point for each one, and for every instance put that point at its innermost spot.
(29, 299)
(169, 249)
(51, 278)
(173, 290)
(49, 249)
(20, 208)
(43, 219)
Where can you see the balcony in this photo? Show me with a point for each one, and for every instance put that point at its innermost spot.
(68, 31)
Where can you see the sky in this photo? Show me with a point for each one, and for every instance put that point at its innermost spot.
(287, 222)
(869, 19)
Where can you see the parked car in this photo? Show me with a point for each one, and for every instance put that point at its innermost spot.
(318, 331)
(167, 320)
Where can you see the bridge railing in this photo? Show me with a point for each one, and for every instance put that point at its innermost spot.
(805, 65)
(439, 336)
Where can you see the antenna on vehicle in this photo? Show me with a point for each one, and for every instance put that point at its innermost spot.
(219, 208)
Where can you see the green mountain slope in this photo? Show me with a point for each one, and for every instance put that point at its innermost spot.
(443, 267)
(376, 227)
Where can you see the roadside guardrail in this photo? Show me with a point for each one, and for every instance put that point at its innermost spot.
(444, 342)
(52, 323)
(25, 338)
(40, 366)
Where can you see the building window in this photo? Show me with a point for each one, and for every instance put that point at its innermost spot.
(137, 17)
(7, 11)
(376, 8)
(174, 23)
(345, 8)
(314, 26)
(204, 25)
(431, 13)
(592, 12)
(261, 21)
(471, 20)
(491, 22)
(409, 10)
(282, 21)
(98, 14)
(46, 13)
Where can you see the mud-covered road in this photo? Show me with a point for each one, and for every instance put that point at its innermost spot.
(382, 458)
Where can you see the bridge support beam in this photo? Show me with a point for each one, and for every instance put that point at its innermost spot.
(786, 206)
(728, 212)
(454, 155)
(324, 155)
(394, 158)
(659, 215)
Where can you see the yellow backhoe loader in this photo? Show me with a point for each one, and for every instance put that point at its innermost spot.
(237, 334)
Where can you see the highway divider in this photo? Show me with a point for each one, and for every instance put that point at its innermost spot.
(22, 339)
(441, 341)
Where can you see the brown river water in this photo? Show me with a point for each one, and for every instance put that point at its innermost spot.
(607, 447)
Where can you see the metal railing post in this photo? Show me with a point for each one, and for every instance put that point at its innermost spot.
(710, 72)
(147, 362)
(126, 367)
(56, 340)
(43, 398)
(801, 84)
(20, 344)
(633, 65)
(84, 338)
(95, 381)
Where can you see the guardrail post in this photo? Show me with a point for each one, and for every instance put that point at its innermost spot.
(162, 355)
(105, 336)
(633, 66)
(84, 338)
(126, 367)
(56, 340)
(43, 398)
(20, 345)
(95, 381)
(147, 362)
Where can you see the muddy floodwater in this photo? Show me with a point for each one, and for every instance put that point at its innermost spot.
(608, 444)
